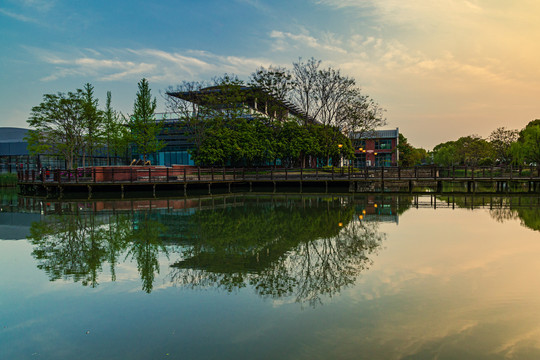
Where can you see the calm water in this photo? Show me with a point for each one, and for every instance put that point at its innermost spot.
(271, 277)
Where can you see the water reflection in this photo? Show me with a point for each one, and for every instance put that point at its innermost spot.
(300, 248)
(503, 208)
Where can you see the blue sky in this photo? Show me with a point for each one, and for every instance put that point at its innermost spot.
(442, 69)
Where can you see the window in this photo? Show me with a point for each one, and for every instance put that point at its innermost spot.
(360, 160)
(383, 160)
(383, 144)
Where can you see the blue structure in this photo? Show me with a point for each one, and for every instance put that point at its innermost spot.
(13, 148)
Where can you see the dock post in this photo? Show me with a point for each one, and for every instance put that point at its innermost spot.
(185, 189)
(122, 190)
(439, 186)
(89, 192)
(209, 188)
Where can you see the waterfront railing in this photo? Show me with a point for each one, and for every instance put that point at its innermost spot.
(181, 174)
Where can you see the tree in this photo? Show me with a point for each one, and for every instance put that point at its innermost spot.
(116, 136)
(501, 139)
(527, 148)
(59, 126)
(93, 121)
(143, 125)
(445, 154)
(408, 154)
(332, 99)
(276, 83)
(467, 150)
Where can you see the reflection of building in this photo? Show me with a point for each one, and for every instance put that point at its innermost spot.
(376, 148)
(381, 209)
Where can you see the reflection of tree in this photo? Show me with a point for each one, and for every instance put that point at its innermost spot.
(144, 246)
(286, 249)
(530, 217)
(303, 247)
(505, 208)
(75, 246)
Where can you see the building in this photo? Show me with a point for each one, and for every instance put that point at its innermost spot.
(376, 148)
(245, 101)
(13, 148)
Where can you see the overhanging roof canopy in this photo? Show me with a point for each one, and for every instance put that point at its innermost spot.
(253, 97)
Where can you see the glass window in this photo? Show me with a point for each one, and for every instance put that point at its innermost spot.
(383, 144)
(360, 160)
(383, 160)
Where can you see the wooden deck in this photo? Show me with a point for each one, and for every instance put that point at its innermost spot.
(365, 180)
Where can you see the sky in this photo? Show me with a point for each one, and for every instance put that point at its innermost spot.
(442, 69)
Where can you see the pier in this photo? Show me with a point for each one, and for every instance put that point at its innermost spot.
(421, 179)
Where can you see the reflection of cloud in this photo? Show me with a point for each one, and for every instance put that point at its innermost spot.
(468, 291)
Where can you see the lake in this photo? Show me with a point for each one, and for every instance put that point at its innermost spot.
(270, 276)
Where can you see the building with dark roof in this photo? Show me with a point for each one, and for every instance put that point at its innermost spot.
(253, 99)
(13, 148)
(376, 148)
(248, 101)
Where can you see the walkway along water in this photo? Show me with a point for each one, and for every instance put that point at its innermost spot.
(422, 179)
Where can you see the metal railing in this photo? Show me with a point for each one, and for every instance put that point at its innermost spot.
(157, 174)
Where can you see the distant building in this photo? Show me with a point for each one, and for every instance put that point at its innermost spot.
(13, 148)
(376, 148)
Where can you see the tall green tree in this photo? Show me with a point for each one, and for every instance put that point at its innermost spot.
(58, 126)
(116, 135)
(142, 123)
(93, 122)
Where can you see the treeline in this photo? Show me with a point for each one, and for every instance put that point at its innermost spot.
(502, 147)
(73, 126)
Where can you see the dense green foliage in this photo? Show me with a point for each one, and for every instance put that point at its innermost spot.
(58, 126)
(527, 148)
(409, 155)
(7, 180)
(502, 147)
(243, 142)
(467, 150)
(72, 126)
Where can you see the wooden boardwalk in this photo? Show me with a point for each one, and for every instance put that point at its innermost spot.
(364, 180)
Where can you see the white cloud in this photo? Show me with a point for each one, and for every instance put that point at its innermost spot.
(154, 64)
(19, 17)
(286, 40)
